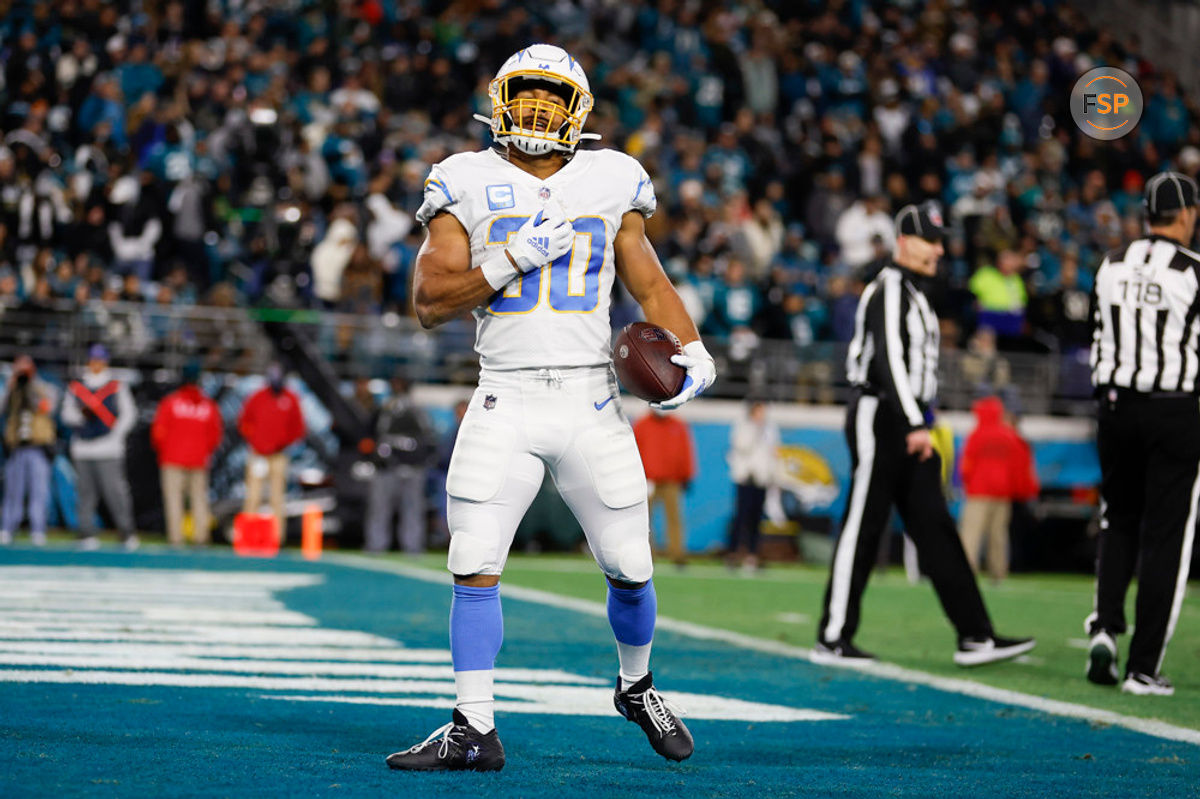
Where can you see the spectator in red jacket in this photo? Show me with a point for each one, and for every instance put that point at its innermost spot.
(667, 455)
(997, 469)
(186, 432)
(271, 422)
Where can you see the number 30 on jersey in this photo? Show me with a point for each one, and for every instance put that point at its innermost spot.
(573, 279)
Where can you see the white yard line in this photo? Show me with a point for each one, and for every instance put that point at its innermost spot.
(1158, 729)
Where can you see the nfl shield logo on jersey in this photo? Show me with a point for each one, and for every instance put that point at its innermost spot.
(543, 194)
(489, 402)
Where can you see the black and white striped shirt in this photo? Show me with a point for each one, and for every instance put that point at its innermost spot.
(1145, 324)
(894, 352)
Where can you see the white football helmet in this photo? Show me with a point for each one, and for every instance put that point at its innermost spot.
(537, 126)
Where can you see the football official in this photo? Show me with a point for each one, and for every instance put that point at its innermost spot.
(892, 364)
(1145, 359)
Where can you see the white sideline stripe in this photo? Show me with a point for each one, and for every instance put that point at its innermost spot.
(21, 589)
(185, 680)
(114, 589)
(172, 615)
(546, 699)
(1158, 729)
(297, 651)
(68, 577)
(579, 703)
(130, 631)
(83, 604)
(82, 659)
(288, 618)
(96, 614)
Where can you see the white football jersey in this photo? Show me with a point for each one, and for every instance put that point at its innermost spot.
(557, 316)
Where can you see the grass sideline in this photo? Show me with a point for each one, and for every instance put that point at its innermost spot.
(902, 623)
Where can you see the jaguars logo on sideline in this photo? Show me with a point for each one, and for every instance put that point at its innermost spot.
(807, 474)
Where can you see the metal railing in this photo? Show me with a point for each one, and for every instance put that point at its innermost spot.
(143, 337)
(151, 337)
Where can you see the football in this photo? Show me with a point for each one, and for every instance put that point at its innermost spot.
(642, 357)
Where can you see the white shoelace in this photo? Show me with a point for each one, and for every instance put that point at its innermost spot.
(447, 732)
(660, 711)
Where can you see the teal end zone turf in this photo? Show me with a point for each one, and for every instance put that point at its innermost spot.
(183, 739)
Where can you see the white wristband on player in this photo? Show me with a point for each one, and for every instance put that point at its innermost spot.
(498, 271)
(696, 349)
(701, 373)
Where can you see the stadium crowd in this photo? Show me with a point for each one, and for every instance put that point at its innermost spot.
(241, 152)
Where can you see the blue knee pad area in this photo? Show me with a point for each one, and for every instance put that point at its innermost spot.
(476, 627)
(631, 612)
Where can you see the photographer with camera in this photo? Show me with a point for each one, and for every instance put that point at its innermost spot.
(29, 437)
(407, 448)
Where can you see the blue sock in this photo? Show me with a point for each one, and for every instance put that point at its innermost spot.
(476, 627)
(631, 613)
(476, 632)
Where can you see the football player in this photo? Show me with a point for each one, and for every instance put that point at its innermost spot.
(529, 236)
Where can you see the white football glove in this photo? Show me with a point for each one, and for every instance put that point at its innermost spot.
(543, 238)
(701, 373)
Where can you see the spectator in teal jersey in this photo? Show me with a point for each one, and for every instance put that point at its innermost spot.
(138, 75)
(727, 154)
(104, 105)
(736, 301)
(171, 159)
(311, 104)
(1166, 121)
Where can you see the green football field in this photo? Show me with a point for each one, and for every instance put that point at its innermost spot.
(902, 624)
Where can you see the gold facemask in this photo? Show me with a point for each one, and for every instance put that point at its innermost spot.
(552, 125)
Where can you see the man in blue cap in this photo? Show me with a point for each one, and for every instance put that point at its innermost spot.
(100, 410)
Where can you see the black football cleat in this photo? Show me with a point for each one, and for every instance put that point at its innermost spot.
(839, 653)
(460, 748)
(643, 705)
(994, 648)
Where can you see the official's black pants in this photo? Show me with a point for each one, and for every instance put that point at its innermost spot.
(1150, 482)
(885, 475)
